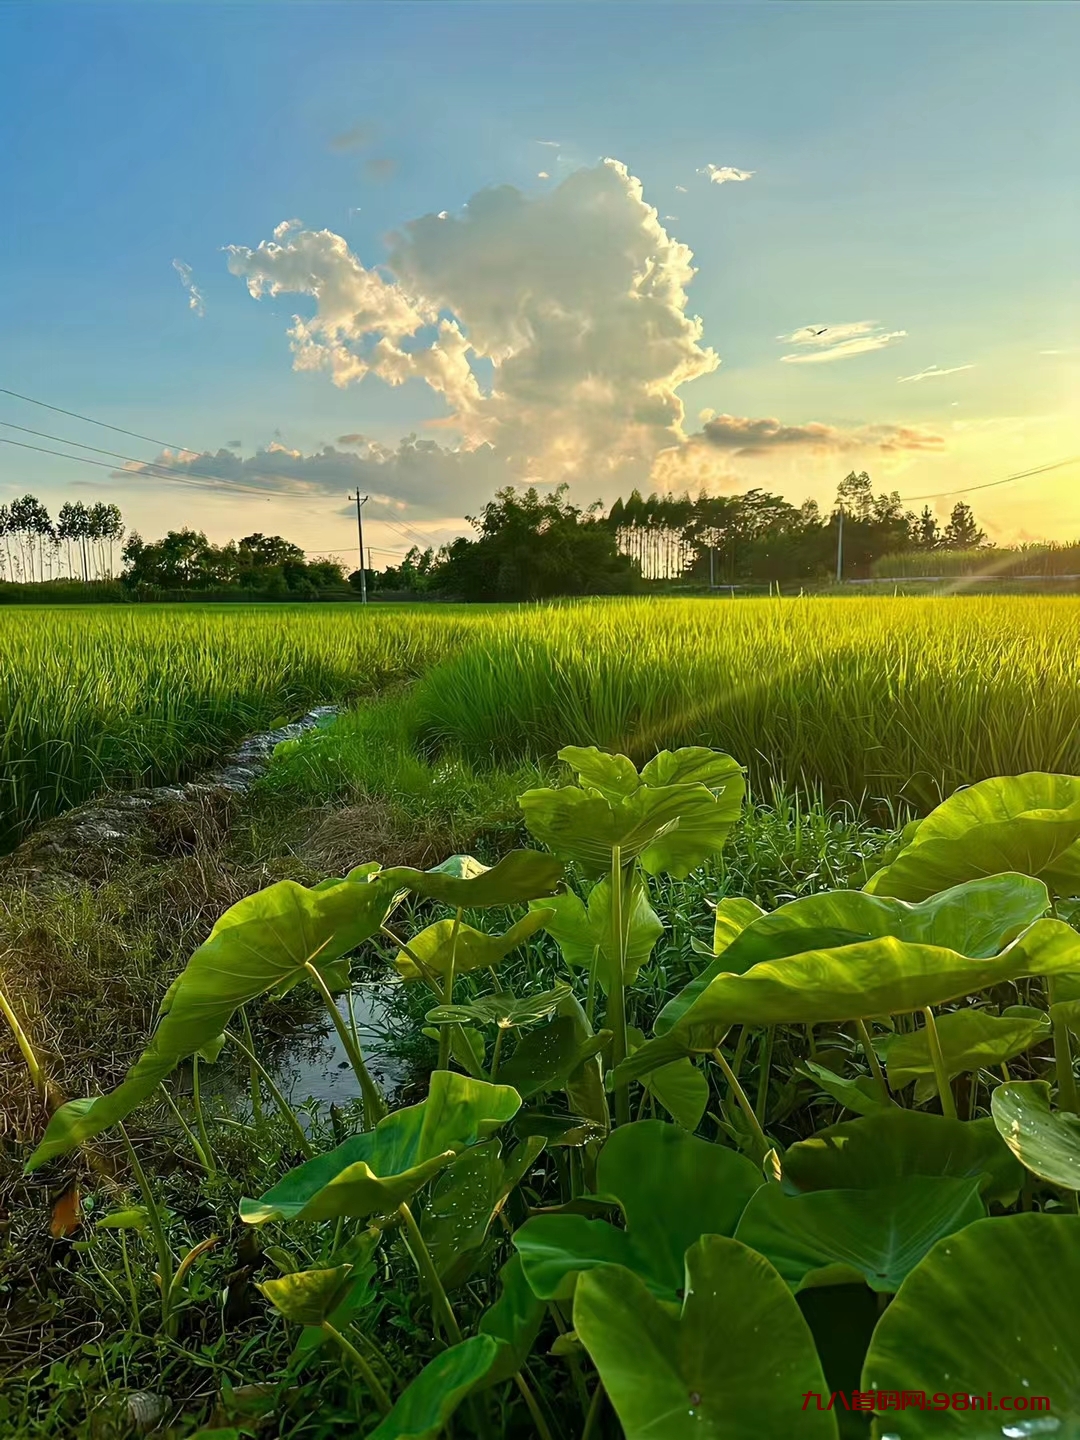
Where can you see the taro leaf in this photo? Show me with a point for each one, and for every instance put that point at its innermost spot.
(974, 919)
(854, 982)
(583, 933)
(472, 949)
(548, 1055)
(557, 1127)
(262, 943)
(993, 1311)
(694, 765)
(585, 1092)
(669, 828)
(733, 914)
(374, 1172)
(969, 1039)
(1029, 823)
(831, 1237)
(680, 1087)
(883, 1149)
(468, 1049)
(359, 1254)
(466, 1199)
(135, 1218)
(860, 1093)
(672, 1188)
(308, 1297)
(465, 883)
(514, 1320)
(613, 775)
(734, 1363)
(505, 1010)
(1046, 1141)
(423, 1409)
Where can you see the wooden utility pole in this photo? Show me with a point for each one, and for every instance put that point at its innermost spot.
(361, 501)
(840, 548)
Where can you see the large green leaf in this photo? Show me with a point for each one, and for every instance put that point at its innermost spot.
(308, 1297)
(471, 949)
(502, 1009)
(680, 1087)
(860, 1093)
(853, 982)
(466, 1199)
(733, 914)
(671, 1187)
(734, 1363)
(374, 1172)
(884, 1148)
(584, 933)
(1029, 823)
(1044, 1140)
(465, 883)
(514, 1320)
(262, 943)
(969, 1039)
(584, 825)
(974, 919)
(991, 1312)
(427, 1404)
(830, 1237)
(547, 1056)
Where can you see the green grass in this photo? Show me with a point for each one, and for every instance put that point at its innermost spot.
(876, 702)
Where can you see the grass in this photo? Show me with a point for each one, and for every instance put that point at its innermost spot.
(95, 697)
(870, 701)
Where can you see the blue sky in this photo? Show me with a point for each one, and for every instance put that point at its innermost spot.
(913, 170)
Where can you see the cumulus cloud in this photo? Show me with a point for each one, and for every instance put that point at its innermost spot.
(571, 303)
(194, 294)
(542, 175)
(932, 372)
(818, 343)
(742, 435)
(722, 174)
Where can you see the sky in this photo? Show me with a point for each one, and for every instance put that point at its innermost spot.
(429, 249)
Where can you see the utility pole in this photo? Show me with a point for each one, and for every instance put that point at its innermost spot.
(712, 567)
(840, 549)
(361, 500)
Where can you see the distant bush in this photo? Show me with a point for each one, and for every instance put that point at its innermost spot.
(1047, 560)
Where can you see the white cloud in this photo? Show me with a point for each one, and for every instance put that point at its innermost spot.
(838, 342)
(1067, 350)
(681, 189)
(721, 174)
(741, 435)
(575, 298)
(552, 144)
(542, 175)
(932, 372)
(195, 296)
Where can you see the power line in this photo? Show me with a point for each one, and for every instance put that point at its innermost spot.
(989, 484)
(74, 415)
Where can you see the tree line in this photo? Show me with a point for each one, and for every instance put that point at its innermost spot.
(529, 546)
(79, 544)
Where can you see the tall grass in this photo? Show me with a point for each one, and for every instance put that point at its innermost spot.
(871, 700)
(1044, 560)
(877, 701)
(96, 697)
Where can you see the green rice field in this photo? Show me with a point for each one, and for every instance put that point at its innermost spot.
(860, 699)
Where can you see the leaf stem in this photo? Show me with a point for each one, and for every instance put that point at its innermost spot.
(1066, 1076)
(284, 1108)
(200, 1118)
(740, 1096)
(200, 1154)
(537, 1414)
(253, 1072)
(499, 1038)
(371, 1380)
(941, 1075)
(425, 1268)
(592, 1419)
(374, 1104)
(872, 1060)
(23, 1041)
(448, 992)
(764, 1066)
(157, 1229)
(617, 996)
